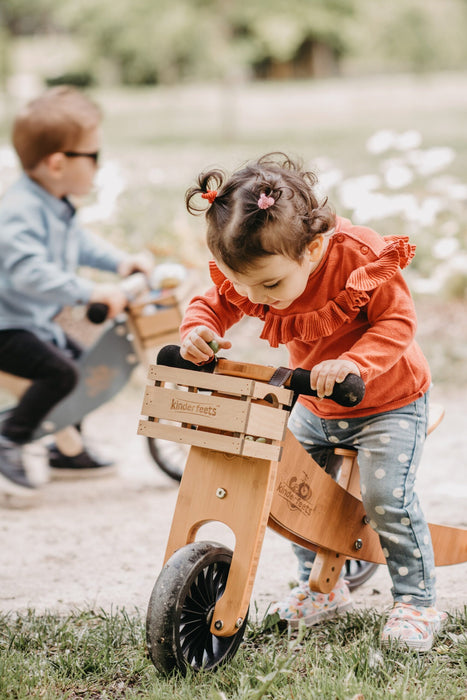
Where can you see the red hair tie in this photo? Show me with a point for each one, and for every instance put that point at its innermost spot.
(210, 195)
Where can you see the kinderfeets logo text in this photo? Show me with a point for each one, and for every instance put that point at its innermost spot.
(193, 407)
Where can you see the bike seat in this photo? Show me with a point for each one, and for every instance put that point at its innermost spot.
(436, 415)
(16, 386)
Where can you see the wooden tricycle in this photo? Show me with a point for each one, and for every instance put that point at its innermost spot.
(245, 469)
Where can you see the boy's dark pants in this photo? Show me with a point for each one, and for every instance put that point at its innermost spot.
(53, 372)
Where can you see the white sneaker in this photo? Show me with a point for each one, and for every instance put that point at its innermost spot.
(413, 625)
(308, 607)
(16, 490)
(13, 478)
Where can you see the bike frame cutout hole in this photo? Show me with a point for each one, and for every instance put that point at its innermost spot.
(217, 532)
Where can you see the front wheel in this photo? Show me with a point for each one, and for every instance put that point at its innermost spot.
(181, 607)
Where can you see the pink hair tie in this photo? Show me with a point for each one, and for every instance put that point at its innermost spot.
(210, 195)
(264, 202)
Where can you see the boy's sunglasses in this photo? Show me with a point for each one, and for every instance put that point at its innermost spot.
(77, 154)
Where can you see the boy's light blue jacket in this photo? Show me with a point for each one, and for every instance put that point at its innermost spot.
(41, 246)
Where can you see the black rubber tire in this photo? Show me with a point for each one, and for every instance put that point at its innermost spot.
(358, 572)
(170, 457)
(180, 609)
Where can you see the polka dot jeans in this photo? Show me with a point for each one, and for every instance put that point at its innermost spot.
(389, 449)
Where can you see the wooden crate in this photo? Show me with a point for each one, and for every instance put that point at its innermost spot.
(156, 322)
(228, 414)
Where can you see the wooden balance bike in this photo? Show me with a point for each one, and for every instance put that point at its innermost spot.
(245, 469)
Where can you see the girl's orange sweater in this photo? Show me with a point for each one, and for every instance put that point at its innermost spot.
(356, 306)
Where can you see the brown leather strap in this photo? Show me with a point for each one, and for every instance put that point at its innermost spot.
(280, 376)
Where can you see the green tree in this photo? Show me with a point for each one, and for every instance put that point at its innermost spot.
(26, 17)
(414, 35)
(20, 17)
(164, 41)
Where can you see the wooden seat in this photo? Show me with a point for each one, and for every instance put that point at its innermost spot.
(16, 386)
(436, 415)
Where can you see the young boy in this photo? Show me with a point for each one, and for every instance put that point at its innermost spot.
(57, 139)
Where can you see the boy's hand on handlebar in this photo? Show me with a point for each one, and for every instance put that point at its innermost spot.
(195, 346)
(140, 262)
(324, 375)
(112, 295)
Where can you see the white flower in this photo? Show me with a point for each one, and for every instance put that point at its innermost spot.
(110, 183)
(445, 247)
(408, 140)
(353, 189)
(397, 175)
(429, 161)
(381, 141)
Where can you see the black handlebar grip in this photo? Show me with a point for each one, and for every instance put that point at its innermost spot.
(347, 393)
(170, 356)
(97, 313)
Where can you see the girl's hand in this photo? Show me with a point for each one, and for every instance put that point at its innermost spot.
(195, 346)
(324, 375)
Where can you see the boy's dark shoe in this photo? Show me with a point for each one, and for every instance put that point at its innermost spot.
(81, 466)
(13, 478)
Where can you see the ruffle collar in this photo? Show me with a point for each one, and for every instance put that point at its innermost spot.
(397, 253)
(343, 308)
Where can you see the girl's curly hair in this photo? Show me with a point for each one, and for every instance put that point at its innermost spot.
(239, 231)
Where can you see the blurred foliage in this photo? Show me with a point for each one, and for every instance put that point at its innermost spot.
(161, 41)
(416, 35)
(80, 79)
(26, 17)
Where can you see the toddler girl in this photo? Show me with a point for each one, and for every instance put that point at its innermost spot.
(333, 293)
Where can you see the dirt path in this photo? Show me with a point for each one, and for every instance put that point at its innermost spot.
(100, 543)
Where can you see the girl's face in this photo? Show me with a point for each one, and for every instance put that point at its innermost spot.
(276, 280)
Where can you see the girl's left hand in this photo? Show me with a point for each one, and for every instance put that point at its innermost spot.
(324, 375)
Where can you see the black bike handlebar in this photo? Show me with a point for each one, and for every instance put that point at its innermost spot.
(97, 313)
(131, 286)
(348, 393)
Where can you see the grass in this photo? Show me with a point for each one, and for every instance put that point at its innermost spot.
(92, 655)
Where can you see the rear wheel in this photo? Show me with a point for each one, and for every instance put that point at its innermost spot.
(169, 456)
(181, 607)
(357, 572)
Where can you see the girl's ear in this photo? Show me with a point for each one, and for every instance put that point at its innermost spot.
(315, 248)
